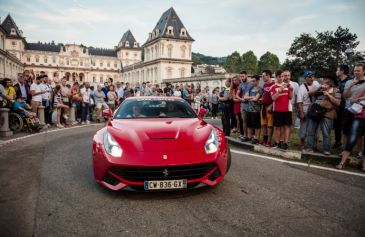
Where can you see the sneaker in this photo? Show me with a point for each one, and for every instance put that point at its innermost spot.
(268, 144)
(360, 155)
(284, 146)
(87, 122)
(83, 123)
(74, 123)
(254, 141)
(327, 153)
(276, 145)
(309, 150)
(60, 126)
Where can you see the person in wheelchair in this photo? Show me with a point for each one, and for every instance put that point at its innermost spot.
(22, 108)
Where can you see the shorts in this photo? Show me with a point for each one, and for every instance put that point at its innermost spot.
(347, 119)
(282, 118)
(266, 120)
(253, 119)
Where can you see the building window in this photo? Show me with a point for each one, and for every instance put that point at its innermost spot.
(94, 79)
(170, 30)
(28, 59)
(182, 72)
(37, 60)
(54, 60)
(135, 44)
(127, 43)
(45, 60)
(13, 43)
(101, 79)
(183, 32)
(183, 50)
(115, 65)
(126, 54)
(67, 62)
(169, 72)
(101, 64)
(81, 63)
(108, 65)
(169, 51)
(12, 31)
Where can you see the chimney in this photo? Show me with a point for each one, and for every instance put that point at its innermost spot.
(149, 35)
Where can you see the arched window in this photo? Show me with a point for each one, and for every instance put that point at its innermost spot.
(127, 43)
(170, 30)
(169, 50)
(135, 45)
(183, 50)
(183, 32)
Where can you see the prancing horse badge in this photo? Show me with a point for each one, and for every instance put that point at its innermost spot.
(164, 157)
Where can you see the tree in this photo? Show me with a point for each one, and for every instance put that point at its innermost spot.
(268, 61)
(233, 63)
(321, 53)
(249, 62)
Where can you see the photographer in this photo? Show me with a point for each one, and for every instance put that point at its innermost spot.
(322, 113)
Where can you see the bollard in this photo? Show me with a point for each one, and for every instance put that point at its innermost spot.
(41, 115)
(4, 123)
(72, 119)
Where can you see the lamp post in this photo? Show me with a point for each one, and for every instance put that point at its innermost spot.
(349, 52)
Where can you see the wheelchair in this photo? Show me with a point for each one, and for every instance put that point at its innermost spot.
(18, 122)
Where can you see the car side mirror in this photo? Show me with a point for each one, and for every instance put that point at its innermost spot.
(107, 113)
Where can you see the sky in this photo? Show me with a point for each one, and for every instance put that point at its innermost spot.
(218, 27)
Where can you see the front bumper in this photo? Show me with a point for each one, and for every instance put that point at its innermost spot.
(129, 174)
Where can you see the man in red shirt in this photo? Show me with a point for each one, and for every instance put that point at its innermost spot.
(281, 94)
(266, 110)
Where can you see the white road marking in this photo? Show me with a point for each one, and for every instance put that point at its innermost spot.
(44, 132)
(297, 163)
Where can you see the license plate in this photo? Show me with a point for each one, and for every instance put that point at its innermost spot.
(165, 184)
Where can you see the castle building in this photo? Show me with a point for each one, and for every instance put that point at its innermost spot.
(166, 54)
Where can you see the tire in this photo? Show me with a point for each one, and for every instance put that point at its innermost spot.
(16, 123)
(229, 160)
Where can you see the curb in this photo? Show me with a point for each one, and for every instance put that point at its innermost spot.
(293, 155)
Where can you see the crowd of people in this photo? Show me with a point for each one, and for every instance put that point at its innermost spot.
(262, 109)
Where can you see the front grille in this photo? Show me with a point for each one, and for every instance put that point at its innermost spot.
(140, 174)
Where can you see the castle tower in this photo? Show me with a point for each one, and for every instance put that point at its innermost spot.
(15, 41)
(170, 44)
(128, 50)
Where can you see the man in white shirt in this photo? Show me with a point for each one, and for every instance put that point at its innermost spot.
(304, 100)
(120, 91)
(36, 91)
(46, 100)
(85, 92)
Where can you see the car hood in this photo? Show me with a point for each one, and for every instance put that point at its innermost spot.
(160, 134)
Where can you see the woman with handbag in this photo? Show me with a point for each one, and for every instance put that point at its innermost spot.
(322, 113)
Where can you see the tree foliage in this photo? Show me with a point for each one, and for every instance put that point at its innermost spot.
(233, 63)
(249, 62)
(268, 61)
(321, 53)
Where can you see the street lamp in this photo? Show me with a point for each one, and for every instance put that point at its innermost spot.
(349, 52)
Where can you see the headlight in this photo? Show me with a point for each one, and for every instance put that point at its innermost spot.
(111, 146)
(211, 145)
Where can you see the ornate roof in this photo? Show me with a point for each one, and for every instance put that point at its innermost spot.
(102, 52)
(8, 24)
(169, 19)
(128, 37)
(48, 47)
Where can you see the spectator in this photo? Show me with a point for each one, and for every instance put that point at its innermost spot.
(105, 90)
(242, 90)
(214, 102)
(22, 88)
(10, 93)
(168, 90)
(177, 92)
(266, 110)
(59, 105)
(226, 98)
(112, 98)
(46, 100)
(85, 93)
(352, 89)
(326, 97)
(357, 129)
(21, 107)
(36, 91)
(281, 94)
(293, 101)
(128, 91)
(65, 95)
(158, 90)
(253, 109)
(76, 100)
(342, 77)
(120, 91)
(92, 103)
(3, 95)
(197, 100)
(147, 89)
(100, 102)
(237, 122)
(304, 100)
(142, 89)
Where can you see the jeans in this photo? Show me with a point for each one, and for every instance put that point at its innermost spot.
(357, 130)
(84, 112)
(47, 111)
(226, 118)
(326, 125)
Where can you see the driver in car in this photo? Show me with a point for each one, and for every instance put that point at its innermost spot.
(136, 112)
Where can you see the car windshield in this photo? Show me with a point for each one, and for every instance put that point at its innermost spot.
(154, 108)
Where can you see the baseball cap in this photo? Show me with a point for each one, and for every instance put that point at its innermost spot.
(308, 74)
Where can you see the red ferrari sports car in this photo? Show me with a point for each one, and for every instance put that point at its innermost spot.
(158, 143)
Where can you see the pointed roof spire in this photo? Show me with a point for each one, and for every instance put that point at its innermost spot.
(9, 24)
(170, 26)
(128, 41)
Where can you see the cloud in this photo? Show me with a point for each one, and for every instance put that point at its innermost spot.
(299, 20)
(341, 7)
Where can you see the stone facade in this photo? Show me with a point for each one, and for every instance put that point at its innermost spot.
(167, 54)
